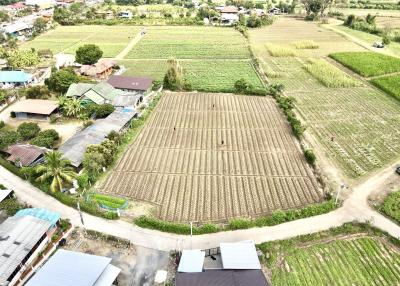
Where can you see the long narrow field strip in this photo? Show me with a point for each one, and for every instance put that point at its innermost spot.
(111, 39)
(211, 157)
(203, 75)
(190, 43)
(390, 84)
(368, 63)
(359, 126)
(362, 261)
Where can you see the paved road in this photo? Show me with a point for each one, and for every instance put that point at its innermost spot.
(355, 208)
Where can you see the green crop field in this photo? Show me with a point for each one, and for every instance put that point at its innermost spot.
(358, 259)
(204, 75)
(111, 39)
(390, 84)
(190, 43)
(213, 58)
(368, 63)
(391, 206)
(358, 127)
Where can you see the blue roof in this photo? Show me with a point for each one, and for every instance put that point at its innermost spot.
(14, 76)
(42, 214)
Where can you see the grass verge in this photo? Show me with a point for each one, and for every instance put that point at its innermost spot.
(275, 218)
(391, 206)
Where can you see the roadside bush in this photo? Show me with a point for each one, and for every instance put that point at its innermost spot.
(310, 157)
(28, 130)
(38, 92)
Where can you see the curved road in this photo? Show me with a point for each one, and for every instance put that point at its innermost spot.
(355, 208)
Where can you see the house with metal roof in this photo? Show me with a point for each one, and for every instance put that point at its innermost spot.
(25, 155)
(74, 148)
(130, 83)
(232, 264)
(21, 239)
(39, 109)
(43, 214)
(99, 93)
(67, 268)
(14, 78)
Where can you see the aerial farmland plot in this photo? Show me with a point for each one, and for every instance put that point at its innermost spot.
(111, 39)
(357, 126)
(211, 157)
(213, 58)
(358, 259)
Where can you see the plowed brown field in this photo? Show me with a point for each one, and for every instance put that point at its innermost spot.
(179, 162)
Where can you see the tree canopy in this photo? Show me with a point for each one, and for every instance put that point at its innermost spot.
(88, 54)
(60, 80)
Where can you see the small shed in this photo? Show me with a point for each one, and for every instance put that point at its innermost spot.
(25, 155)
(39, 109)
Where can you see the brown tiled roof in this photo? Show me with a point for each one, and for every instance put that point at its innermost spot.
(101, 66)
(35, 106)
(26, 154)
(229, 9)
(130, 82)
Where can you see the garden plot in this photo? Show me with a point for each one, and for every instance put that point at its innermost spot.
(111, 39)
(345, 261)
(211, 157)
(357, 126)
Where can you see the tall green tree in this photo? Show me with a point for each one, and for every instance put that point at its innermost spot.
(88, 54)
(60, 80)
(57, 170)
(174, 78)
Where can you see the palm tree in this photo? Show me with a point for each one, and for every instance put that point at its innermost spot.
(73, 107)
(56, 168)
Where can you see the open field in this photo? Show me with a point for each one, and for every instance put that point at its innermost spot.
(111, 39)
(390, 84)
(357, 259)
(368, 63)
(358, 126)
(194, 42)
(211, 157)
(365, 12)
(204, 75)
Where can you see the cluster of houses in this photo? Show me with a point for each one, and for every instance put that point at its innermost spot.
(29, 254)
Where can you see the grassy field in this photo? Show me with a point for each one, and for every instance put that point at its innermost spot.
(368, 63)
(205, 75)
(357, 126)
(111, 39)
(391, 206)
(330, 75)
(361, 259)
(212, 157)
(390, 84)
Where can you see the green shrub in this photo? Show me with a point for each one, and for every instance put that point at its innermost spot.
(2, 124)
(240, 223)
(391, 206)
(242, 86)
(28, 130)
(8, 138)
(11, 206)
(38, 92)
(389, 84)
(310, 157)
(46, 138)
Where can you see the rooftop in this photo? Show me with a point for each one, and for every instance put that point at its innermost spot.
(229, 9)
(25, 153)
(18, 235)
(66, 268)
(35, 106)
(101, 66)
(239, 255)
(129, 82)
(98, 93)
(43, 214)
(15, 76)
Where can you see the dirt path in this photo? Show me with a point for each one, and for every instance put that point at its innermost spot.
(129, 47)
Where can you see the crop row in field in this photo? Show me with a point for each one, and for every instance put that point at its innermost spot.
(111, 39)
(368, 63)
(390, 84)
(202, 75)
(211, 157)
(190, 43)
(361, 260)
(358, 126)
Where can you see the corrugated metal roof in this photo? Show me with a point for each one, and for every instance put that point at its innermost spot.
(18, 235)
(191, 261)
(4, 194)
(69, 268)
(130, 82)
(15, 76)
(43, 214)
(35, 106)
(239, 255)
(25, 153)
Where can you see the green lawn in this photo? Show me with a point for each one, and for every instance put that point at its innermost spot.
(111, 39)
(390, 84)
(203, 75)
(193, 42)
(361, 260)
(368, 63)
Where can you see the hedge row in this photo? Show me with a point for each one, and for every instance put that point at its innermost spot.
(275, 218)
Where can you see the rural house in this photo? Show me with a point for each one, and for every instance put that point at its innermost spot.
(229, 15)
(100, 70)
(15, 7)
(130, 83)
(18, 29)
(39, 109)
(22, 238)
(11, 79)
(25, 155)
(232, 264)
(67, 268)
